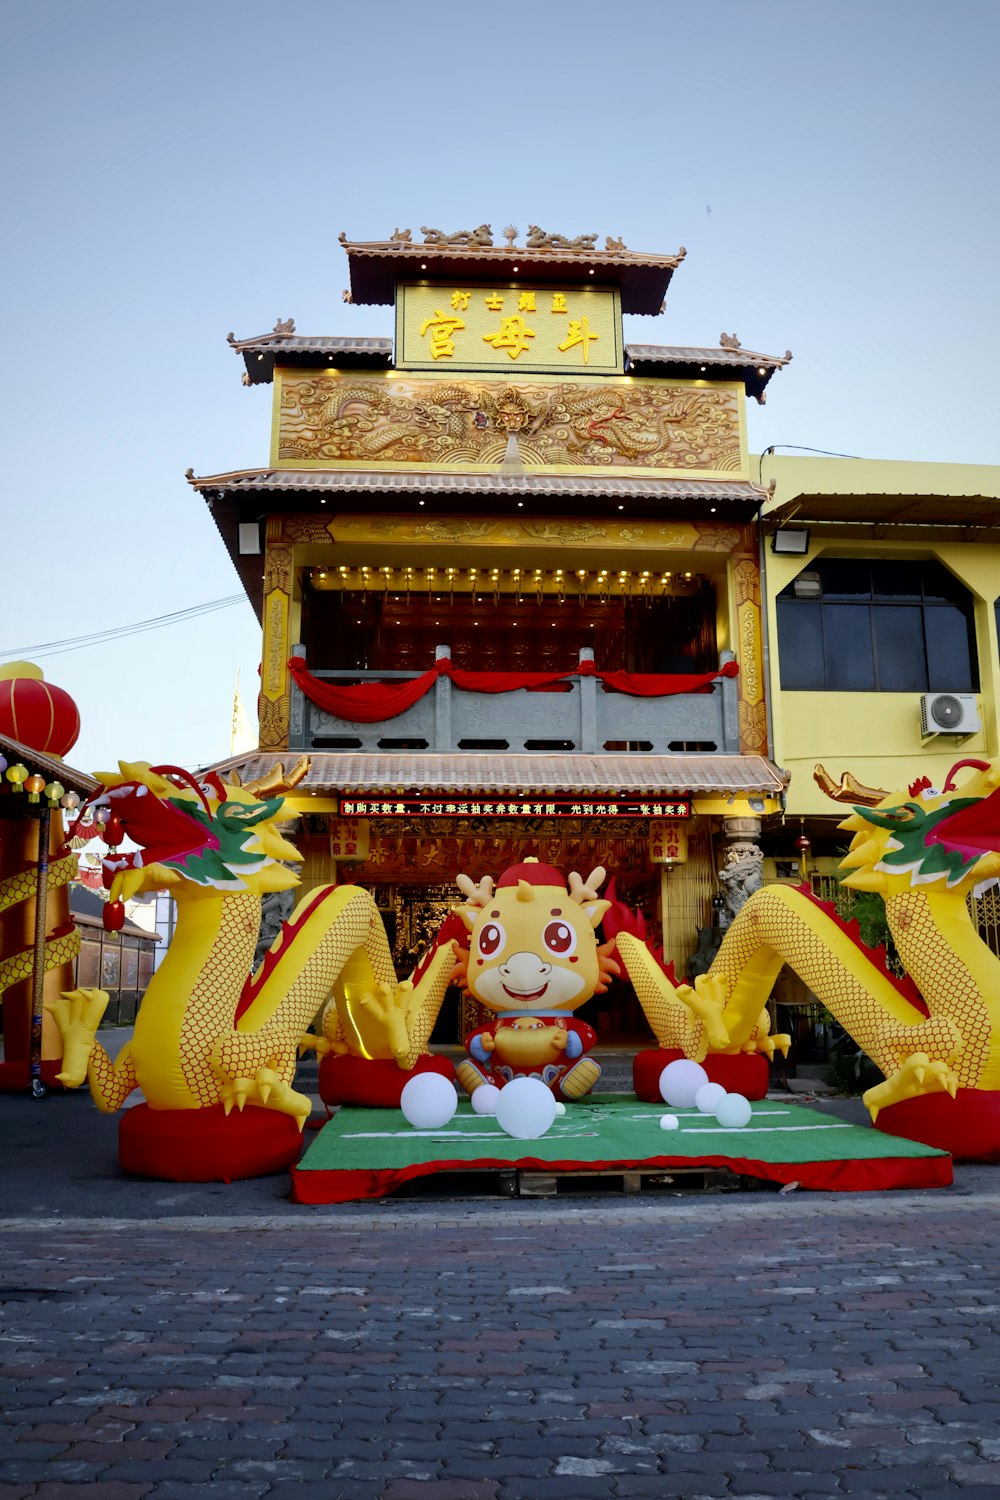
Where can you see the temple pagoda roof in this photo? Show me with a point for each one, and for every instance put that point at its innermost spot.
(376, 266)
(730, 360)
(233, 496)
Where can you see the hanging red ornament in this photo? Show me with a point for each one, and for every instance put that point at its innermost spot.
(112, 833)
(113, 916)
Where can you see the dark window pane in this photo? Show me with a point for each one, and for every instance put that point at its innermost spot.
(843, 578)
(940, 584)
(896, 580)
(800, 645)
(899, 647)
(848, 654)
(950, 655)
(89, 968)
(109, 968)
(130, 968)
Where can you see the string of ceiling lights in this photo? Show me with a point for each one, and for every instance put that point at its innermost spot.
(600, 583)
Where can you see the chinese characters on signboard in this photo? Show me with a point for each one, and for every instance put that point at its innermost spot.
(522, 807)
(668, 843)
(349, 839)
(538, 328)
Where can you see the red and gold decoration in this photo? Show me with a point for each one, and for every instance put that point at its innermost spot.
(36, 712)
(38, 941)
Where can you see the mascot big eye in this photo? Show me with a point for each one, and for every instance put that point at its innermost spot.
(533, 959)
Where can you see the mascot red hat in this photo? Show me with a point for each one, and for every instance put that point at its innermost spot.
(533, 874)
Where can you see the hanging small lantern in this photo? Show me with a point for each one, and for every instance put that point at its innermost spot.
(113, 832)
(70, 801)
(53, 792)
(113, 916)
(102, 815)
(3, 764)
(17, 776)
(34, 786)
(803, 845)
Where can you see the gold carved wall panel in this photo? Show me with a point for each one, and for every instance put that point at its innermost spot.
(331, 420)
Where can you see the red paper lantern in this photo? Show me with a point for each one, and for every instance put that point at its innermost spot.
(113, 916)
(35, 712)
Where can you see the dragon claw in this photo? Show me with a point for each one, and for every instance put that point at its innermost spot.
(77, 1014)
(707, 1000)
(917, 1074)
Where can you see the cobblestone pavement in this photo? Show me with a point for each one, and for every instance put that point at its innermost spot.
(744, 1345)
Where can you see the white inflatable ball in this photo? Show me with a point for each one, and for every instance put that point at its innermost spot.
(734, 1112)
(680, 1082)
(428, 1101)
(526, 1108)
(560, 1107)
(708, 1098)
(669, 1122)
(484, 1100)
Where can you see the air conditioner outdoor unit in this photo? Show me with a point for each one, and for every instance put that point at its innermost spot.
(948, 713)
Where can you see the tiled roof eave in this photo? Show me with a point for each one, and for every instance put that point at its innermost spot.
(603, 775)
(671, 354)
(352, 481)
(49, 766)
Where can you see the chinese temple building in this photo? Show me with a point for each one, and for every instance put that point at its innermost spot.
(508, 573)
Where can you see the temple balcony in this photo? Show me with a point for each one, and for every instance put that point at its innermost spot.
(580, 715)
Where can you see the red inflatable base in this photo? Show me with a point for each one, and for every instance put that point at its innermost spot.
(746, 1073)
(376, 1082)
(967, 1126)
(206, 1145)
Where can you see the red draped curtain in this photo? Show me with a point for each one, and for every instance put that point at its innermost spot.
(374, 702)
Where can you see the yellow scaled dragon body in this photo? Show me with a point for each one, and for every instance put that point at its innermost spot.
(937, 1039)
(208, 1032)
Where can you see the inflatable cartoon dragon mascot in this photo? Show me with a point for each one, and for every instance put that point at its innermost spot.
(533, 960)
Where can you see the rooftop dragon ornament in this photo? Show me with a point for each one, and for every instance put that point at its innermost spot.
(935, 1035)
(210, 1038)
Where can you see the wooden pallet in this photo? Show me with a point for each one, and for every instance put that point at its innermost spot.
(519, 1182)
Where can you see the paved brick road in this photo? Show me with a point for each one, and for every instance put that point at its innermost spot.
(746, 1346)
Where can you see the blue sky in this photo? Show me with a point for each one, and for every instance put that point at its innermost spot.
(174, 171)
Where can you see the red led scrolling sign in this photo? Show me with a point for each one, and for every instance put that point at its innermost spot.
(521, 807)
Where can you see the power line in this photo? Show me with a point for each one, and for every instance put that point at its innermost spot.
(138, 627)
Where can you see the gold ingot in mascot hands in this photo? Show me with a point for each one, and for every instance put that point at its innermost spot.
(528, 1041)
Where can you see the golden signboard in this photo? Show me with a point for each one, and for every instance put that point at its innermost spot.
(329, 420)
(668, 843)
(350, 839)
(572, 329)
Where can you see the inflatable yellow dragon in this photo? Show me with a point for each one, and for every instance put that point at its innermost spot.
(923, 849)
(207, 1032)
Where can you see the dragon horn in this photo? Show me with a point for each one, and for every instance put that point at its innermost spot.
(276, 782)
(847, 789)
(475, 895)
(587, 890)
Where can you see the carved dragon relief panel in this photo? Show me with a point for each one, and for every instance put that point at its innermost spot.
(338, 421)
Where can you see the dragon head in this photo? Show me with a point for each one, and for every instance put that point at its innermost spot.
(192, 833)
(533, 944)
(945, 838)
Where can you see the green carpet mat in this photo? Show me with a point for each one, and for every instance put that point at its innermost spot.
(373, 1150)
